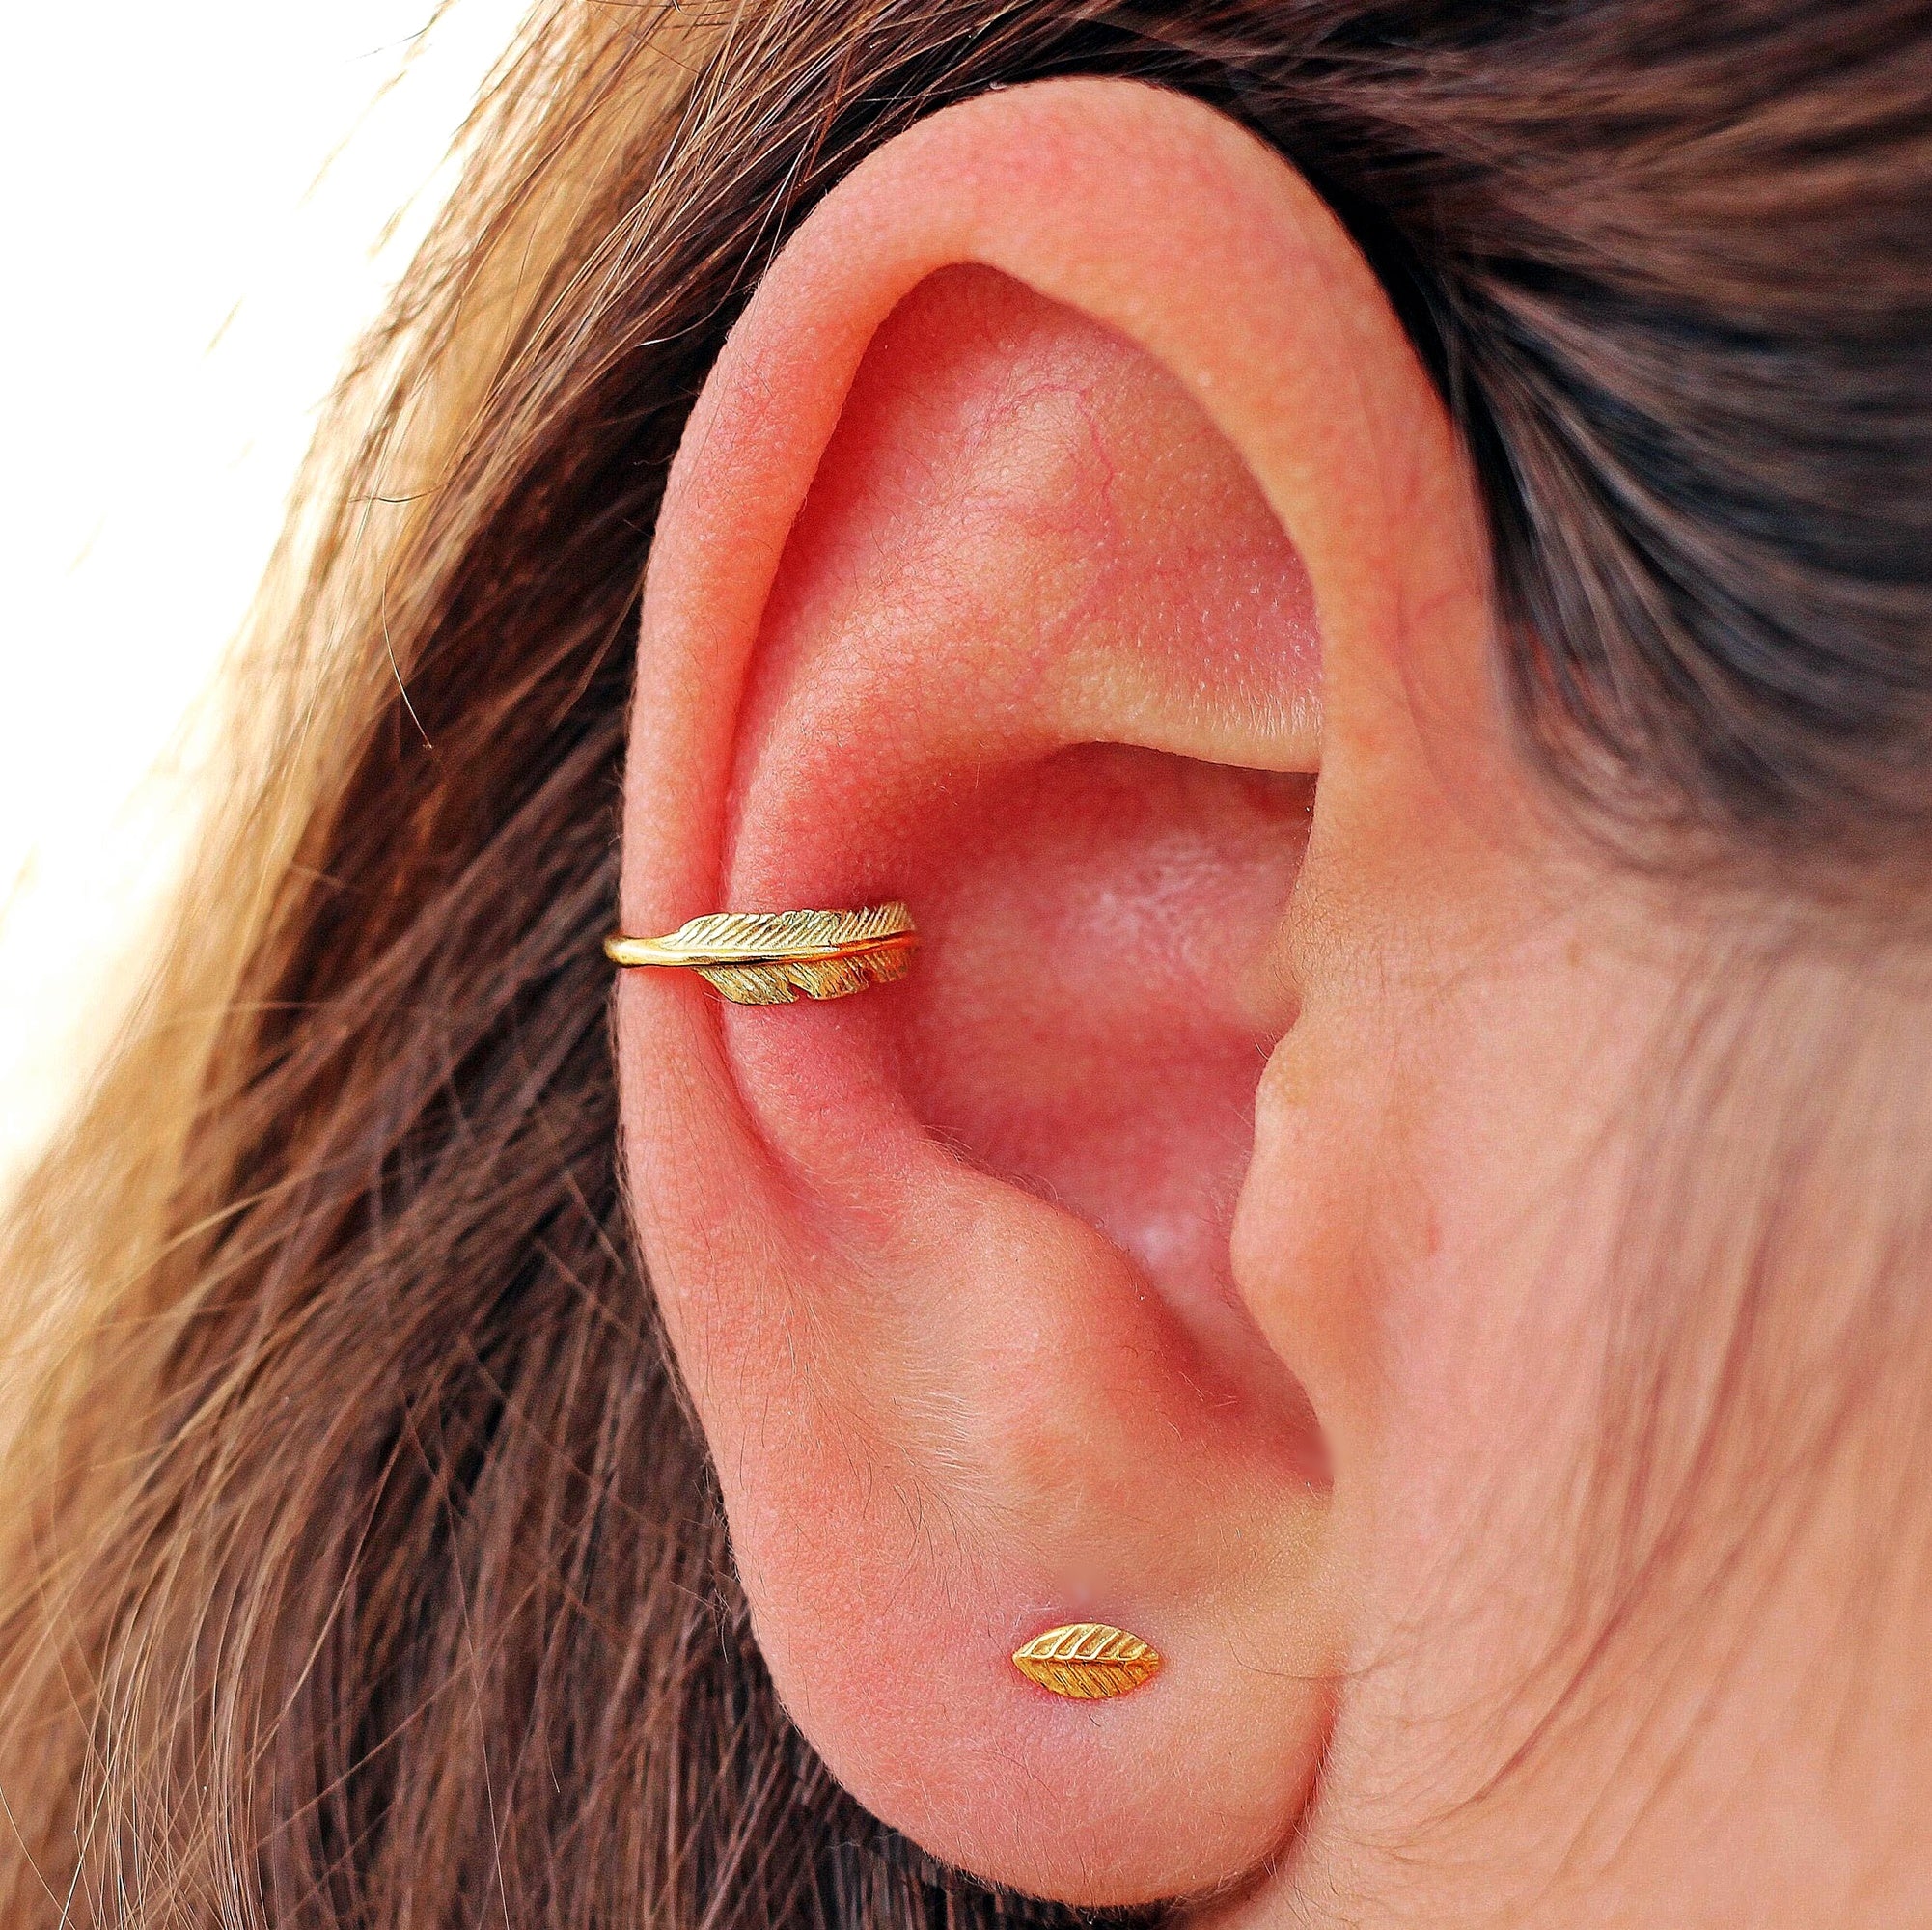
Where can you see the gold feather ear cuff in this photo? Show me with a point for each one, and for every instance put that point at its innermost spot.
(771, 957)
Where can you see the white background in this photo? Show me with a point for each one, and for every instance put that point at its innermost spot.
(194, 195)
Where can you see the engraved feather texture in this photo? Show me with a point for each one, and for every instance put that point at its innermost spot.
(1087, 1660)
(769, 958)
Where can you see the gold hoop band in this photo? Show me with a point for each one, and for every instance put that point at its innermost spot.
(771, 957)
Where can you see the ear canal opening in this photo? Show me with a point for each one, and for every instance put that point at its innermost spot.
(1101, 986)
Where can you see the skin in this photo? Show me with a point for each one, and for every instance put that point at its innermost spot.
(1207, 1235)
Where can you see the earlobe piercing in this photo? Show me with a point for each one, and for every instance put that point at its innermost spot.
(769, 958)
(1087, 1660)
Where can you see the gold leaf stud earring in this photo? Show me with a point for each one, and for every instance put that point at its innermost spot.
(772, 958)
(1088, 1660)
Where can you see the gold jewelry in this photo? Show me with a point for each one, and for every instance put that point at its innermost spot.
(769, 958)
(1087, 1660)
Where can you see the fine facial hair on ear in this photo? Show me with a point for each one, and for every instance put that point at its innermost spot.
(975, 592)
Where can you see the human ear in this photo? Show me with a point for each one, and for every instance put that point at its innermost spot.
(1010, 572)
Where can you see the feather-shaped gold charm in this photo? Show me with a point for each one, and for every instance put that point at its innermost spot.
(771, 957)
(1087, 1660)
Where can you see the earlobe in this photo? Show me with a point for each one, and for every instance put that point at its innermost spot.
(993, 616)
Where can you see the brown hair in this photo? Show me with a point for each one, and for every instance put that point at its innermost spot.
(363, 1567)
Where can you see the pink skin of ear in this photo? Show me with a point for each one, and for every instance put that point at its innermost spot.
(922, 1471)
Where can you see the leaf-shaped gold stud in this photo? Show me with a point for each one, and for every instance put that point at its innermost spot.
(1087, 1660)
(771, 957)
